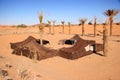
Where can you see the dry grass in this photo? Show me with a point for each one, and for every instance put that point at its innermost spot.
(1, 76)
(23, 73)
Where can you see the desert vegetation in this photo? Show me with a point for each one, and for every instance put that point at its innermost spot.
(49, 23)
(105, 38)
(82, 22)
(41, 27)
(111, 13)
(63, 26)
(90, 23)
(95, 26)
(21, 26)
(69, 25)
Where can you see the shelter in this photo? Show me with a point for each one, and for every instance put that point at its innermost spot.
(80, 48)
(30, 47)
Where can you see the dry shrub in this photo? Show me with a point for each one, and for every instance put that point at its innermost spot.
(26, 74)
(23, 73)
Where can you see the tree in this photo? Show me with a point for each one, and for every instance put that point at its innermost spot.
(63, 25)
(21, 26)
(82, 22)
(95, 26)
(41, 28)
(111, 13)
(90, 23)
(49, 22)
(105, 38)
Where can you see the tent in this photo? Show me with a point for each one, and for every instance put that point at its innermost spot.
(80, 48)
(30, 47)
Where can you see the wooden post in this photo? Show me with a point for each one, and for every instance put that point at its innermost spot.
(105, 39)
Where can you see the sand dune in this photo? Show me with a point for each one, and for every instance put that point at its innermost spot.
(92, 67)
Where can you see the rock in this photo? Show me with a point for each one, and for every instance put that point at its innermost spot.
(8, 78)
(4, 73)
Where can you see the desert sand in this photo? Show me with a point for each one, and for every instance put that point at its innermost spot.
(91, 67)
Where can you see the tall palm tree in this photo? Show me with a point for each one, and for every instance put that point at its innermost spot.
(54, 21)
(69, 25)
(49, 22)
(63, 25)
(111, 13)
(82, 22)
(41, 27)
(95, 26)
(105, 38)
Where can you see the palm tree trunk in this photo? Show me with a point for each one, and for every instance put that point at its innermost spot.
(94, 29)
(105, 40)
(82, 29)
(53, 29)
(41, 33)
(111, 22)
(63, 29)
(50, 29)
(69, 25)
(41, 28)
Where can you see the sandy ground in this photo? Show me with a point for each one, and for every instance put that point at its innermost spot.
(92, 67)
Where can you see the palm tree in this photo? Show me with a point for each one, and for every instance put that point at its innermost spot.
(54, 21)
(69, 25)
(105, 38)
(82, 22)
(63, 25)
(41, 28)
(95, 26)
(49, 22)
(111, 13)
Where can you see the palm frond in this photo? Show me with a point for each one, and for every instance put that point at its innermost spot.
(40, 17)
(111, 12)
(82, 21)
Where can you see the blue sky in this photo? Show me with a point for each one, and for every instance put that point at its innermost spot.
(26, 11)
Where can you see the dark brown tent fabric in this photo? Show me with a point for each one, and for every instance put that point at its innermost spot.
(30, 47)
(78, 49)
(22, 43)
(98, 47)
